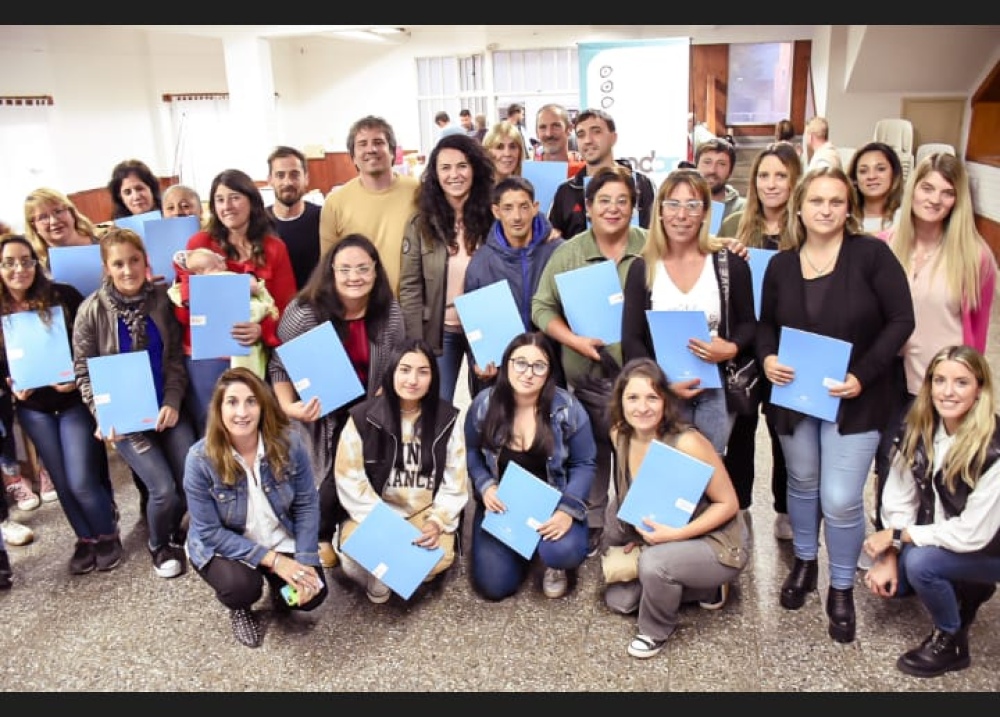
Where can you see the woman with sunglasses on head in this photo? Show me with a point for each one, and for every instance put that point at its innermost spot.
(525, 418)
(679, 270)
(350, 289)
(55, 418)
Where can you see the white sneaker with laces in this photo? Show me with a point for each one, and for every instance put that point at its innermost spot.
(46, 490)
(643, 646)
(22, 494)
(554, 583)
(16, 534)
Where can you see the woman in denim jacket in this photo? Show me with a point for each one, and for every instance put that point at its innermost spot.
(253, 504)
(502, 425)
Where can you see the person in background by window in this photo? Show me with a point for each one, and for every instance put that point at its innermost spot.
(481, 128)
(819, 150)
(878, 177)
(134, 189)
(465, 119)
(784, 131)
(515, 115)
(941, 509)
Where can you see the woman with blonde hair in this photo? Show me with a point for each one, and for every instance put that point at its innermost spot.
(51, 219)
(679, 269)
(506, 147)
(941, 508)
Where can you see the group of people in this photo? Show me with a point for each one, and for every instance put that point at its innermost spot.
(254, 484)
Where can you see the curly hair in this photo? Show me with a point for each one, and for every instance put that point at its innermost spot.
(122, 171)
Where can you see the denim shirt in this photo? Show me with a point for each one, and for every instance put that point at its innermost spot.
(219, 512)
(570, 468)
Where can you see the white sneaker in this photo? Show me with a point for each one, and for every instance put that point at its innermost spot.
(554, 583)
(46, 490)
(22, 494)
(16, 534)
(644, 647)
(782, 527)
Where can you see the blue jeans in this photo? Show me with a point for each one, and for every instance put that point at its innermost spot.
(929, 571)
(826, 479)
(202, 376)
(454, 348)
(77, 462)
(498, 570)
(708, 413)
(159, 463)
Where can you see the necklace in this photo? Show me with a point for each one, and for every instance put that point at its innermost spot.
(826, 267)
(409, 411)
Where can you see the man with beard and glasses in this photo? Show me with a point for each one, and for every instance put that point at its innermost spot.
(295, 220)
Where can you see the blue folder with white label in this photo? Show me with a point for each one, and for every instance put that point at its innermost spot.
(164, 238)
(38, 352)
(666, 488)
(124, 393)
(819, 362)
(319, 366)
(490, 320)
(79, 266)
(383, 545)
(758, 259)
(218, 301)
(591, 298)
(670, 332)
(530, 501)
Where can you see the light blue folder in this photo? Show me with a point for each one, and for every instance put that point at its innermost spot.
(217, 302)
(383, 544)
(718, 209)
(164, 238)
(37, 354)
(490, 320)
(545, 177)
(819, 361)
(758, 260)
(591, 298)
(670, 332)
(124, 393)
(666, 489)
(78, 266)
(137, 222)
(529, 501)
(318, 365)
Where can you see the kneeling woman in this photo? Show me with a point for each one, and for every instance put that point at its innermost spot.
(527, 419)
(253, 504)
(675, 565)
(941, 509)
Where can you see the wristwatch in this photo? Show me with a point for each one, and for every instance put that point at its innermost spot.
(897, 539)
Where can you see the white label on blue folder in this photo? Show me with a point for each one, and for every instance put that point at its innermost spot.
(533, 523)
(303, 384)
(15, 354)
(198, 319)
(830, 382)
(685, 505)
(616, 298)
(380, 570)
(474, 335)
(101, 399)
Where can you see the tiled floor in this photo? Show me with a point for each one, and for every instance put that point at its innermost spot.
(130, 631)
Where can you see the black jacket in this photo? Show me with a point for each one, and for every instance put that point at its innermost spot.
(569, 215)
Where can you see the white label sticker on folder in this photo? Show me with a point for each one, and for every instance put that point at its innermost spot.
(685, 505)
(302, 384)
(380, 570)
(15, 354)
(533, 523)
(830, 382)
(475, 335)
(198, 319)
(616, 298)
(101, 399)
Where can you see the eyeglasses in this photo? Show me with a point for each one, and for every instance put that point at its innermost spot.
(672, 206)
(362, 270)
(46, 218)
(26, 263)
(539, 368)
(622, 203)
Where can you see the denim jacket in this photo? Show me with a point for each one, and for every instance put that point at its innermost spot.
(571, 466)
(219, 512)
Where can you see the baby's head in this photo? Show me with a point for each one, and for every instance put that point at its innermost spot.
(200, 261)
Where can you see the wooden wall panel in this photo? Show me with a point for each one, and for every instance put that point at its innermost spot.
(96, 204)
(333, 169)
(990, 231)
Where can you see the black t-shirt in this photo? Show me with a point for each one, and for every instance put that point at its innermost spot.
(301, 236)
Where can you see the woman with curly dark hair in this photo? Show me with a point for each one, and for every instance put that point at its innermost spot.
(134, 189)
(454, 216)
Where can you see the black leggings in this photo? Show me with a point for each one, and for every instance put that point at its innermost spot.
(740, 462)
(238, 586)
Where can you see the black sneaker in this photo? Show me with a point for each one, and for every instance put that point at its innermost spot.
(109, 553)
(84, 558)
(245, 627)
(168, 561)
(594, 536)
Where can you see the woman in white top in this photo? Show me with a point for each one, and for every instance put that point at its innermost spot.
(877, 175)
(941, 508)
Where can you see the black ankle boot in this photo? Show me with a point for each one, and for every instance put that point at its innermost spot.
(940, 652)
(840, 609)
(970, 597)
(799, 582)
(6, 574)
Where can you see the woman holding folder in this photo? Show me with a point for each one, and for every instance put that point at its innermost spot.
(129, 313)
(55, 418)
(845, 285)
(525, 418)
(656, 568)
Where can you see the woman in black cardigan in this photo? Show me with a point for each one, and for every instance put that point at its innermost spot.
(845, 285)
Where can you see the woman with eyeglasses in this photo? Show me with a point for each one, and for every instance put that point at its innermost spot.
(679, 270)
(240, 231)
(454, 216)
(525, 418)
(349, 288)
(404, 447)
(55, 418)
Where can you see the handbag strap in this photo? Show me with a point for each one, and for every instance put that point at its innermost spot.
(724, 285)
